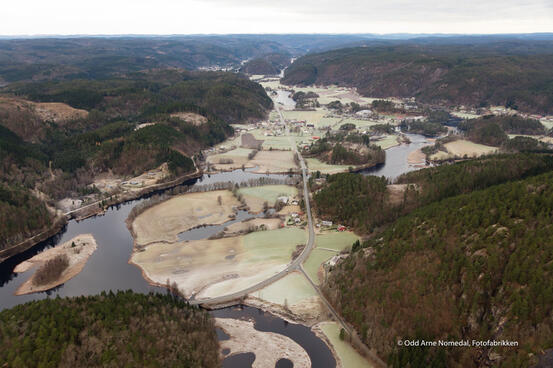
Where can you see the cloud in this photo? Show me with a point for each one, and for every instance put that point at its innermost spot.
(269, 16)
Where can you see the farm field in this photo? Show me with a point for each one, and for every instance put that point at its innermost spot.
(388, 141)
(337, 241)
(164, 221)
(540, 138)
(359, 123)
(269, 224)
(313, 117)
(256, 196)
(462, 147)
(239, 157)
(348, 356)
(210, 268)
(314, 262)
(273, 161)
(315, 164)
(326, 94)
(295, 293)
(290, 290)
(281, 142)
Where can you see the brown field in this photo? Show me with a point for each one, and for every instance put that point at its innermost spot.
(238, 156)
(273, 161)
(416, 158)
(244, 226)
(462, 147)
(166, 220)
(249, 141)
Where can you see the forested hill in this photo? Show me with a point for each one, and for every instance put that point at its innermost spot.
(124, 127)
(475, 266)
(108, 330)
(139, 96)
(106, 57)
(366, 202)
(270, 64)
(490, 74)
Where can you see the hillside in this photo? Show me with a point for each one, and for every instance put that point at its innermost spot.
(492, 130)
(124, 127)
(105, 57)
(445, 74)
(115, 330)
(270, 64)
(366, 203)
(475, 266)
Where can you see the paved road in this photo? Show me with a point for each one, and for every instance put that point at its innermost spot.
(294, 265)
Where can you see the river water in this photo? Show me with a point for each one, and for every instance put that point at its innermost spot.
(396, 158)
(108, 267)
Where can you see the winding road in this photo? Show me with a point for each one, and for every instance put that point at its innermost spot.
(294, 265)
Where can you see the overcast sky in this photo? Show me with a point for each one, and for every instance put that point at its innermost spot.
(32, 17)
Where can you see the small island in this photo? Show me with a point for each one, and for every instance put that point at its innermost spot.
(57, 265)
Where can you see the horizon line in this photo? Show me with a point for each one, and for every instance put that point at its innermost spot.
(76, 35)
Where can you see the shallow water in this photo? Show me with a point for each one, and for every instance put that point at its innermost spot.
(318, 351)
(204, 232)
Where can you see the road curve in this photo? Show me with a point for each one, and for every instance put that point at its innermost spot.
(294, 265)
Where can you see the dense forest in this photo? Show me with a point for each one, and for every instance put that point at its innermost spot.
(128, 126)
(109, 330)
(365, 202)
(474, 266)
(464, 74)
(426, 128)
(105, 57)
(492, 130)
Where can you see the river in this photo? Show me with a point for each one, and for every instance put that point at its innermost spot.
(108, 267)
(396, 158)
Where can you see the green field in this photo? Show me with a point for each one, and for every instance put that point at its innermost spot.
(387, 142)
(314, 262)
(359, 123)
(290, 290)
(317, 165)
(313, 117)
(273, 246)
(269, 193)
(349, 357)
(281, 142)
(336, 240)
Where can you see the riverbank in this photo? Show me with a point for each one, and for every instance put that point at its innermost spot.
(77, 250)
(268, 347)
(99, 207)
(59, 223)
(89, 210)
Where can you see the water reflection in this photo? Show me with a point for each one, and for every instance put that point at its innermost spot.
(396, 158)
